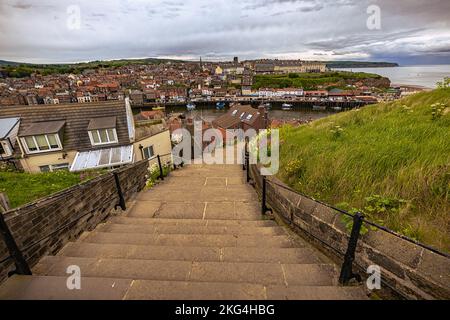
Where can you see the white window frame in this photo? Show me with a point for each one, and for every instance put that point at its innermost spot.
(52, 167)
(50, 149)
(115, 140)
(146, 148)
(6, 148)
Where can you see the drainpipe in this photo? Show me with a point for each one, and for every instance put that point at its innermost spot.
(142, 151)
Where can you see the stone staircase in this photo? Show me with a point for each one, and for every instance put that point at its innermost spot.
(197, 235)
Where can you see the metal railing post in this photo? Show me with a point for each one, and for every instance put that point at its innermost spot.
(263, 196)
(119, 192)
(161, 174)
(247, 164)
(19, 260)
(346, 270)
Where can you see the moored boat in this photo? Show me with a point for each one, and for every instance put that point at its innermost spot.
(286, 106)
(319, 108)
(220, 105)
(190, 106)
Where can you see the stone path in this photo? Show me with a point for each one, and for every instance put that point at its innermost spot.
(197, 235)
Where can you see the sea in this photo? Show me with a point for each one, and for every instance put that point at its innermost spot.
(420, 75)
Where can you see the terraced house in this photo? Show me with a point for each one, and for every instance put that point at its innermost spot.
(78, 136)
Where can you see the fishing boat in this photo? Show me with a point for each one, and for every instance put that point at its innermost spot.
(190, 106)
(337, 108)
(319, 108)
(220, 105)
(286, 106)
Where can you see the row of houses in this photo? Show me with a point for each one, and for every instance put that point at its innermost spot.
(77, 137)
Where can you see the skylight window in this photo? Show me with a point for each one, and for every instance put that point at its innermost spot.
(234, 112)
(249, 116)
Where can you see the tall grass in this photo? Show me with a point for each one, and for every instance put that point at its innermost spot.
(396, 151)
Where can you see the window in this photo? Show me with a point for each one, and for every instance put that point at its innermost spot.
(2, 150)
(41, 143)
(103, 136)
(242, 115)
(234, 112)
(148, 152)
(54, 167)
(249, 116)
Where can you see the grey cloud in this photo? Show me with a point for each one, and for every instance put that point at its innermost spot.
(222, 28)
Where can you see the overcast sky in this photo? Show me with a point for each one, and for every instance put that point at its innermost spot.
(412, 31)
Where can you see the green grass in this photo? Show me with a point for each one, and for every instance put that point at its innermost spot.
(371, 158)
(309, 80)
(22, 188)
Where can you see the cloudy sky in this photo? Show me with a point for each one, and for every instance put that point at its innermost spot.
(410, 31)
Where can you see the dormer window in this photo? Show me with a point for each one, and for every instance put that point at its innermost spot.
(102, 131)
(42, 137)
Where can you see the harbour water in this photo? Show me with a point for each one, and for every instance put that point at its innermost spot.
(421, 75)
(208, 112)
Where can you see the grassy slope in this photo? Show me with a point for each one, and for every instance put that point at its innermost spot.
(22, 188)
(308, 80)
(384, 150)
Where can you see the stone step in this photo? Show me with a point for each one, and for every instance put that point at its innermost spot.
(183, 290)
(201, 194)
(55, 288)
(50, 288)
(189, 229)
(197, 271)
(196, 240)
(225, 210)
(213, 254)
(192, 222)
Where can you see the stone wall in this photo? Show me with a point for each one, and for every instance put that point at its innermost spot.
(54, 215)
(408, 269)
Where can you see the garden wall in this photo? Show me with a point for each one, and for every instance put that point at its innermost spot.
(48, 224)
(409, 269)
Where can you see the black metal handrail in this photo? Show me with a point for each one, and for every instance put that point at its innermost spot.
(16, 254)
(383, 228)
(346, 273)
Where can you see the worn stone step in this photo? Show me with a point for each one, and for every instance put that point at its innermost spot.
(51, 288)
(206, 193)
(184, 290)
(197, 271)
(192, 222)
(228, 254)
(224, 210)
(189, 229)
(55, 288)
(315, 293)
(200, 240)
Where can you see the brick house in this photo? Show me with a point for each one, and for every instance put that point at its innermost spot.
(81, 136)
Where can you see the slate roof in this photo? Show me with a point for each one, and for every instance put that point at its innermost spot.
(42, 128)
(6, 125)
(76, 116)
(233, 119)
(102, 123)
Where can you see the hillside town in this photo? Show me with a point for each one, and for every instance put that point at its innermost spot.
(180, 82)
